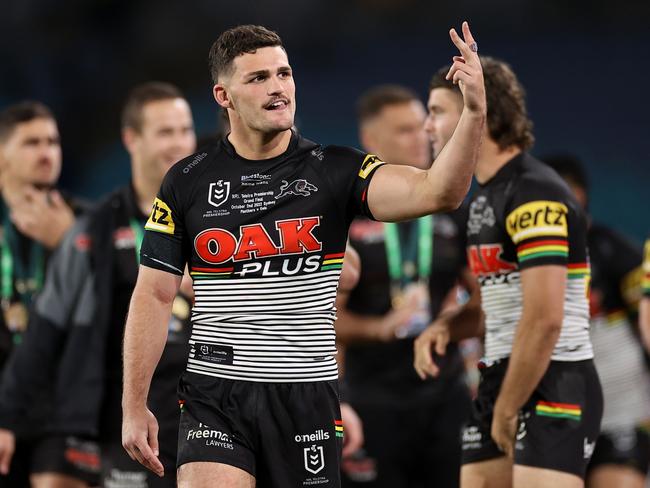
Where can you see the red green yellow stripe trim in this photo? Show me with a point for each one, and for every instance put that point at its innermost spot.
(578, 270)
(559, 410)
(543, 248)
(334, 256)
(338, 428)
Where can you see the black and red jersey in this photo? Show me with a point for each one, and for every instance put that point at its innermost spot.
(526, 216)
(264, 242)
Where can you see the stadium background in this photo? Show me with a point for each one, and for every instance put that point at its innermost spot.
(583, 63)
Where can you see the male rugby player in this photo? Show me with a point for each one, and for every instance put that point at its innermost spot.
(262, 219)
(78, 319)
(622, 453)
(539, 402)
(409, 272)
(644, 306)
(34, 218)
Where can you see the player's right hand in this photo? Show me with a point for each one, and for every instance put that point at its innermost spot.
(467, 72)
(436, 336)
(7, 448)
(140, 438)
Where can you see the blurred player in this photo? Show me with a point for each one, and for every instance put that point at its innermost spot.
(644, 306)
(80, 314)
(34, 218)
(537, 415)
(622, 450)
(408, 274)
(262, 219)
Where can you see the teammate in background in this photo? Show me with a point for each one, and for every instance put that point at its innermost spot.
(537, 415)
(79, 317)
(622, 451)
(644, 306)
(409, 273)
(34, 217)
(262, 221)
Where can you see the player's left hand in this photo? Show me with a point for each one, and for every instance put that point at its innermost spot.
(466, 71)
(504, 429)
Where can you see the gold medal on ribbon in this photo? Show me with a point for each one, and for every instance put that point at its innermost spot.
(16, 317)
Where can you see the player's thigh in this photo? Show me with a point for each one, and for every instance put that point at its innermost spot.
(493, 473)
(609, 475)
(55, 480)
(531, 477)
(209, 475)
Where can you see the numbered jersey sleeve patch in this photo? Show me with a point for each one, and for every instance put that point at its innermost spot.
(160, 219)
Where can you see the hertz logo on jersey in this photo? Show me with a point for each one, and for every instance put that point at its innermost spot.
(541, 218)
(160, 219)
(369, 163)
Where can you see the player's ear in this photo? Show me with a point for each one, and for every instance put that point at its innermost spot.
(221, 96)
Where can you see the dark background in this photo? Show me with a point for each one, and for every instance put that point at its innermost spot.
(585, 65)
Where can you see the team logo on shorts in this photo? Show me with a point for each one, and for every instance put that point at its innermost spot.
(296, 187)
(314, 459)
(218, 193)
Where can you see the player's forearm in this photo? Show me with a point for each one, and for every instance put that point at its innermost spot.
(465, 321)
(449, 178)
(144, 340)
(532, 349)
(351, 327)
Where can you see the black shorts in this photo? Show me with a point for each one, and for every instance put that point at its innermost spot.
(558, 425)
(71, 456)
(284, 434)
(623, 447)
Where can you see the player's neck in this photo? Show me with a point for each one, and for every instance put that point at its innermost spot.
(256, 145)
(12, 190)
(491, 159)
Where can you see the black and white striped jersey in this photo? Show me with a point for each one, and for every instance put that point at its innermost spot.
(526, 216)
(264, 242)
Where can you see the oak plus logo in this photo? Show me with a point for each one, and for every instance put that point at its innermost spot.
(296, 187)
(218, 193)
(314, 459)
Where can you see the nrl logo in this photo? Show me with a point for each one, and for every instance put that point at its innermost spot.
(218, 193)
(314, 459)
(296, 187)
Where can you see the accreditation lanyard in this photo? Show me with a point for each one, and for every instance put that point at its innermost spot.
(417, 253)
(138, 236)
(14, 269)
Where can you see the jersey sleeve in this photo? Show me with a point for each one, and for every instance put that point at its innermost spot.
(547, 226)
(646, 269)
(350, 172)
(164, 241)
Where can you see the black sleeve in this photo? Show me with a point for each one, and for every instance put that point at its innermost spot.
(350, 172)
(546, 226)
(623, 271)
(163, 246)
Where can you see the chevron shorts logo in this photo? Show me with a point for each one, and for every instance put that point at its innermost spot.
(314, 459)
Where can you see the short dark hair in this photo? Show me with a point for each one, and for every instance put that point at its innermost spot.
(19, 113)
(235, 42)
(140, 96)
(507, 116)
(569, 167)
(373, 101)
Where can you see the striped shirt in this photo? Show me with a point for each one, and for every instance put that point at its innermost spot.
(264, 242)
(523, 217)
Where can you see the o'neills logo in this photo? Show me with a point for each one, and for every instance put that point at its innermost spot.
(216, 246)
(319, 435)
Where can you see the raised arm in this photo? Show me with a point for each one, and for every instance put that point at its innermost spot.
(144, 339)
(399, 192)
